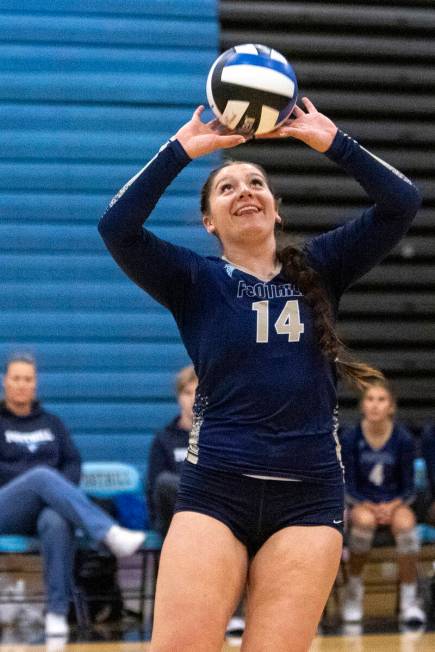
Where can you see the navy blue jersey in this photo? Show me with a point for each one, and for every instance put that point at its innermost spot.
(379, 474)
(428, 451)
(266, 399)
(37, 439)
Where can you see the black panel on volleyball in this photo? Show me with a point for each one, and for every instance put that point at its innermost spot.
(370, 66)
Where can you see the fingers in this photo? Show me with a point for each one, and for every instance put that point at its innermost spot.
(231, 141)
(297, 111)
(198, 112)
(309, 105)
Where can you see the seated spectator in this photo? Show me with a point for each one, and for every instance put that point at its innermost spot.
(167, 455)
(428, 451)
(39, 474)
(378, 456)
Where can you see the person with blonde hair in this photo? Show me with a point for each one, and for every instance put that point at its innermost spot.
(378, 456)
(39, 473)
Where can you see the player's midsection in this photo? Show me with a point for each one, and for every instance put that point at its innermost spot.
(304, 455)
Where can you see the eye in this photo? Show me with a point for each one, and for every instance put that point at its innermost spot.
(257, 182)
(225, 186)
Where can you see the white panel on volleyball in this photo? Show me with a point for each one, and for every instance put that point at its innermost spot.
(268, 119)
(274, 54)
(234, 112)
(262, 79)
(247, 48)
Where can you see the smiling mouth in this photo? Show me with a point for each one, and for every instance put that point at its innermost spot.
(245, 210)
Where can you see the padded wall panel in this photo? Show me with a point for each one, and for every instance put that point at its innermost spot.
(370, 66)
(89, 90)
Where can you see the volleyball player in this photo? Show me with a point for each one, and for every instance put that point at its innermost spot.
(378, 455)
(261, 496)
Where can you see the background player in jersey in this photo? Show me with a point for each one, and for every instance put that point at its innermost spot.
(261, 496)
(378, 455)
(167, 454)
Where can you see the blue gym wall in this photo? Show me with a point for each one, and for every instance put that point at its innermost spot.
(89, 89)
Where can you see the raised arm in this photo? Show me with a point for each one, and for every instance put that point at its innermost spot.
(346, 253)
(157, 266)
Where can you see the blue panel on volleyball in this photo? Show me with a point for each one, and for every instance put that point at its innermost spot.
(244, 59)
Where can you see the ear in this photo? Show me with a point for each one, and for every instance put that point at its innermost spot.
(278, 218)
(208, 223)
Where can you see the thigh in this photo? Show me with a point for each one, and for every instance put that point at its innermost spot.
(402, 520)
(19, 508)
(202, 574)
(289, 581)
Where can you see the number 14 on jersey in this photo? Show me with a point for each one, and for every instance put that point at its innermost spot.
(288, 322)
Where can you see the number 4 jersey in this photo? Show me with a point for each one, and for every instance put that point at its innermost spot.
(379, 474)
(266, 399)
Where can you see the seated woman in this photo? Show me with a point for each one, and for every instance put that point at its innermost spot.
(378, 456)
(39, 471)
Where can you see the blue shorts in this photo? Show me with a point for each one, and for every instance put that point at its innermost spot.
(255, 509)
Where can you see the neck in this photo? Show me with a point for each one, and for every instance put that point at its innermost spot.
(20, 409)
(377, 430)
(259, 260)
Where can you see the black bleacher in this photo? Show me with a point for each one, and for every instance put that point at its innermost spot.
(370, 66)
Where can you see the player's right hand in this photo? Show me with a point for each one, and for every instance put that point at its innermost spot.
(199, 138)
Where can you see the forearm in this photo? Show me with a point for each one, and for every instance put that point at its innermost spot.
(123, 220)
(394, 194)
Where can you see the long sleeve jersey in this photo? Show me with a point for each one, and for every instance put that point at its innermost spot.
(379, 474)
(257, 396)
(38, 439)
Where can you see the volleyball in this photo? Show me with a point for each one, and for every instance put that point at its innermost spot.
(252, 88)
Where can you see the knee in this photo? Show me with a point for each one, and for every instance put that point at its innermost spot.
(403, 519)
(51, 522)
(363, 519)
(41, 475)
(407, 542)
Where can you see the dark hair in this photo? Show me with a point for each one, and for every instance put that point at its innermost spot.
(296, 269)
(29, 358)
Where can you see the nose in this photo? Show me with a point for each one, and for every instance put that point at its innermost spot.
(244, 189)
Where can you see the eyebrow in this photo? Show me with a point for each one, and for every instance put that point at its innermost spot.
(230, 177)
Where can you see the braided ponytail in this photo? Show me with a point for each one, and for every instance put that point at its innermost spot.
(296, 269)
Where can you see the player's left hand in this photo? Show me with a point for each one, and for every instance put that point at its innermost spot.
(311, 127)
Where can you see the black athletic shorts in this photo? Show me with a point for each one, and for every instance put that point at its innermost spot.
(255, 509)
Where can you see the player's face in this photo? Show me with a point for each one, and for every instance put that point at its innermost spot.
(377, 405)
(19, 385)
(186, 399)
(242, 206)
